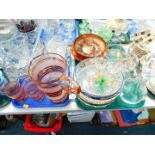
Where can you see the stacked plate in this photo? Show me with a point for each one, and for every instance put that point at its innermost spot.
(99, 80)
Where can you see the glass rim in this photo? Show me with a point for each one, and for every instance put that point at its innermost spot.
(46, 54)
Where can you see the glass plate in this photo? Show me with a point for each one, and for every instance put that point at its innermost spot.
(96, 102)
(116, 104)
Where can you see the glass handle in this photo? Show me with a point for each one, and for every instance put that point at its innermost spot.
(72, 86)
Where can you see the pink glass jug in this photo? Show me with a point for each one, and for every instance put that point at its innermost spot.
(49, 72)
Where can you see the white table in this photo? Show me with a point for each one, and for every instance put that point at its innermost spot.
(72, 107)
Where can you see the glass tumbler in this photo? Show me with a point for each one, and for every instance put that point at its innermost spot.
(15, 91)
(49, 72)
(134, 91)
(31, 88)
(11, 89)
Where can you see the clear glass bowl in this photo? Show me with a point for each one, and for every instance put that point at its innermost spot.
(98, 78)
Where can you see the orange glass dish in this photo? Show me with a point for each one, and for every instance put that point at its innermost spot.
(88, 46)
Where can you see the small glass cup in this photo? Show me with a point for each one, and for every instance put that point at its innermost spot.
(15, 91)
(31, 88)
(49, 72)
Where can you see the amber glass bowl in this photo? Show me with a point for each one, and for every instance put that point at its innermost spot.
(88, 46)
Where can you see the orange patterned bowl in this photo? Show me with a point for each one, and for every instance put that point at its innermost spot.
(89, 46)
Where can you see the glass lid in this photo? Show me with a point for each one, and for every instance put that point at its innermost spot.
(98, 77)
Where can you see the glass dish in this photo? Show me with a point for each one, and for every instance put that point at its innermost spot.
(98, 78)
(89, 46)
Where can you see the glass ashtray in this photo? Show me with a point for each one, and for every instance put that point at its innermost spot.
(98, 78)
(89, 46)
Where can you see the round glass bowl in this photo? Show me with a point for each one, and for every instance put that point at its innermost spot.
(89, 46)
(97, 79)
